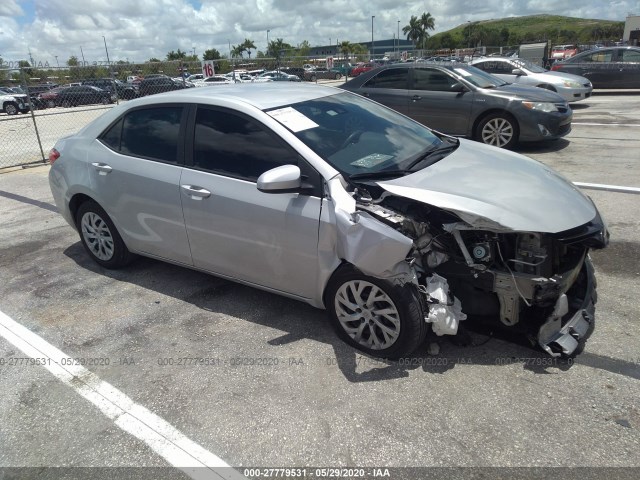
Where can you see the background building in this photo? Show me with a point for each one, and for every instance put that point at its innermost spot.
(631, 33)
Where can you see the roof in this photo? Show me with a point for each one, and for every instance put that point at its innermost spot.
(259, 95)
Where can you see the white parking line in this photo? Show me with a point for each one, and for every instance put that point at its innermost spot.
(606, 124)
(164, 439)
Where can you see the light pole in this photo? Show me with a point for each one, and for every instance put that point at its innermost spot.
(57, 62)
(267, 52)
(194, 51)
(398, 39)
(372, 48)
(107, 50)
(82, 54)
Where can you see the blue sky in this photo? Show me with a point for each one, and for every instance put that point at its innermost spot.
(139, 29)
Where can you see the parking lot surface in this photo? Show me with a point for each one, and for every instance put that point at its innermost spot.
(261, 380)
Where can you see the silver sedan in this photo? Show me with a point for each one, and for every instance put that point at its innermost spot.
(522, 72)
(324, 196)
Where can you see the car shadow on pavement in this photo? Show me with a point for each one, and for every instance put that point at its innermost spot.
(304, 322)
(542, 147)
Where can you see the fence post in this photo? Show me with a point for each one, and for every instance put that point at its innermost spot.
(33, 115)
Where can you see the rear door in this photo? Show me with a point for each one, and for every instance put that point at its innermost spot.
(433, 103)
(135, 169)
(267, 239)
(389, 87)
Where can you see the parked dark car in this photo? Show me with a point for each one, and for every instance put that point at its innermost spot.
(318, 73)
(82, 95)
(298, 72)
(611, 67)
(123, 90)
(464, 101)
(34, 92)
(48, 98)
(158, 84)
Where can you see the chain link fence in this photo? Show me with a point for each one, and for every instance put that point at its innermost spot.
(41, 105)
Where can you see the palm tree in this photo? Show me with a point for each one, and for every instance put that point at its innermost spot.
(346, 48)
(247, 45)
(428, 23)
(413, 31)
(237, 50)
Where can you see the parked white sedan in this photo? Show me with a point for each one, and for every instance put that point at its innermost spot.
(517, 70)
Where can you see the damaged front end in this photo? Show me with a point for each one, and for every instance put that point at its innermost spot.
(538, 284)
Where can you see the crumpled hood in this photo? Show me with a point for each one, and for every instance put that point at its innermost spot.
(497, 189)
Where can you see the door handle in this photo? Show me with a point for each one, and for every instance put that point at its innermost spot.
(196, 193)
(102, 168)
(415, 98)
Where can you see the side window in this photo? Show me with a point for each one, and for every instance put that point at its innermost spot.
(630, 56)
(152, 133)
(599, 56)
(111, 137)
(432, 80)
(237, 146)
(391, 78)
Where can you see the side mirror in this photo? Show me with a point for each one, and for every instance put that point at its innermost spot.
(283, 179)
(458, 87)
(517, 71)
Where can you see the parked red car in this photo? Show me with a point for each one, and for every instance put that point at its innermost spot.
(361, 68)
(562, 52)
(50, 97)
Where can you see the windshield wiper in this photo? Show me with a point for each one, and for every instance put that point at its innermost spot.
(443, 148)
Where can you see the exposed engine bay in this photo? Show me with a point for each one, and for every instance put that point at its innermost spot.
(539, 284)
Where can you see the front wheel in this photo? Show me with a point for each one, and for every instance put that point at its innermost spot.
(375, 315)
(337, 76)
(11, 108)
(100, 238)
(499, 130)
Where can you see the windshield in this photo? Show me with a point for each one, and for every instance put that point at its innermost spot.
(477, 77)
(355, 135)
(532, 67)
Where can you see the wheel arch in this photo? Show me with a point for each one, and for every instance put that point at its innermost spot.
(547, 86)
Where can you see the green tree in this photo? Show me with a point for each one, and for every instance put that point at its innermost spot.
(277, 48)
(346, 47)
(237, 51)
(73, 61)
(179, 55)
(153, 60)
(413, 30)
(247, 45)
(304, 48)
(211, 54)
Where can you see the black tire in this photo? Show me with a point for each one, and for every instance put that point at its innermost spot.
(498, 129)
(96, 218)
(338, 76)
(11, 108)
(106, 100)
(51, 104)
(66, 104)
(410, 332)
(313, 78)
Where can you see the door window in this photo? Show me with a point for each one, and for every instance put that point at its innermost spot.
(148, 132)
(237, 146)
(391, 78)
(630, 56)
(433, 80)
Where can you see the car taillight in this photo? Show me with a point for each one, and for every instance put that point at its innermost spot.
(53, 155)
(555, 67)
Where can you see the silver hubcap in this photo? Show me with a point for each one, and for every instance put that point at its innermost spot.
(367, 314)
(97, 236)
(497, 132)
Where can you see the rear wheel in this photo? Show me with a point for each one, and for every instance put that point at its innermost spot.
(313, 78)
(100, 237)
(66, 103)
(338, 76)
(374, 315)
(499, 130)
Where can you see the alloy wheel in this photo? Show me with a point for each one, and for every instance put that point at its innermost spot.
(367, 314)
(97, 236)
(497, 132)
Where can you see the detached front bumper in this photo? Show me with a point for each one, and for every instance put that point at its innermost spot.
(565, 333)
